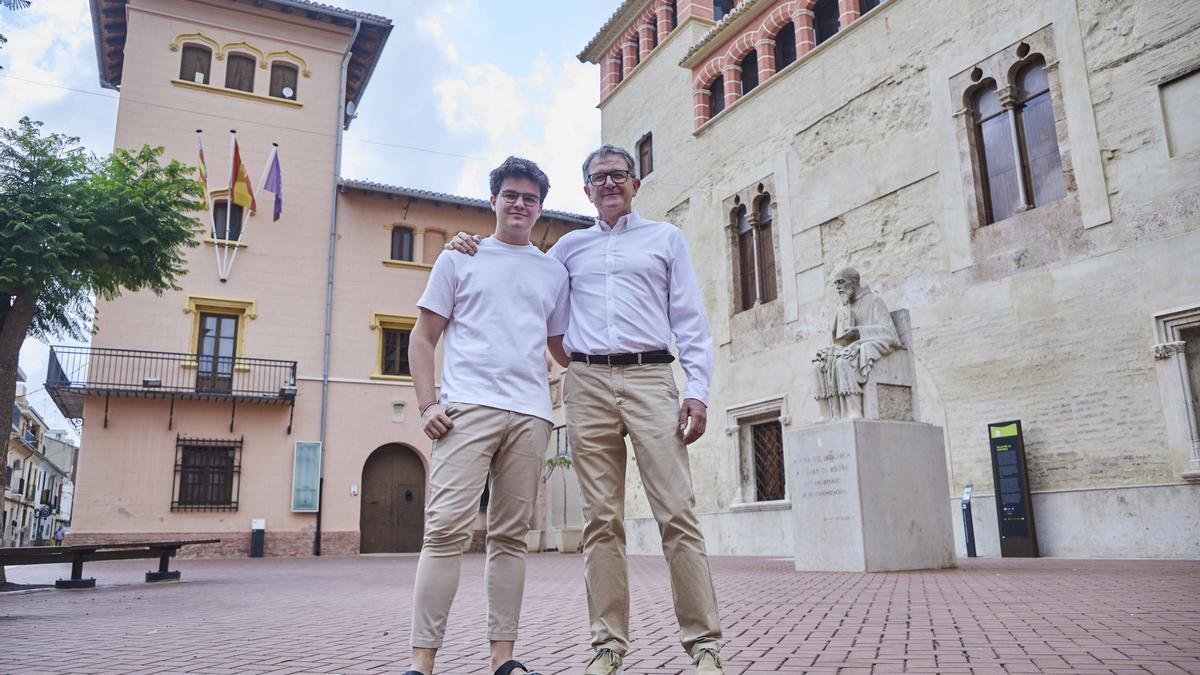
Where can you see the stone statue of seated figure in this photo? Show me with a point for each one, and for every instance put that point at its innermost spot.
(863, 333)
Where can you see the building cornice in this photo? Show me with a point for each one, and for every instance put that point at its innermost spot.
(739, 19)
(612, 29)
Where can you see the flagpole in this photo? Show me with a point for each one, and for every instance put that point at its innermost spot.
(223, 272)
(212, 218)
(242, 230)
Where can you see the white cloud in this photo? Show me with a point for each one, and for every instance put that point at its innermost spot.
(49, 47)
(547, 115)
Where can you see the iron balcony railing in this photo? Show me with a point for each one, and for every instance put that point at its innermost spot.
(74, 373)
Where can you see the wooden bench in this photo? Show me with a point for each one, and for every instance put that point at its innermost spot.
(77, 555)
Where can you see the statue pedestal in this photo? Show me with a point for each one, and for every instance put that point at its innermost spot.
(870, 496)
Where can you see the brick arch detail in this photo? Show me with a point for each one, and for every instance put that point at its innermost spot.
(769, 27)
(708, 72)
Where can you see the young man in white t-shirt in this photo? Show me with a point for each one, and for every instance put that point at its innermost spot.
(496, 309)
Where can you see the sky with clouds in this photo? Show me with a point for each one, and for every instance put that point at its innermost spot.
(481, 79)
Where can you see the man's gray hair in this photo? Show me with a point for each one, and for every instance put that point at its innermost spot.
(607, 149)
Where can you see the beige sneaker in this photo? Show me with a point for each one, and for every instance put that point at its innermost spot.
(604, 662)
(708, 662)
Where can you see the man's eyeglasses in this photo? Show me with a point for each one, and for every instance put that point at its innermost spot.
(527, 199)
(618, 177)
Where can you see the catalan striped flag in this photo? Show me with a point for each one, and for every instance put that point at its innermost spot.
(202, 170)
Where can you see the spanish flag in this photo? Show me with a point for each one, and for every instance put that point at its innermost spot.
(239, 182)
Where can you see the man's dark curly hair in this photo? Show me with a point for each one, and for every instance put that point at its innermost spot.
(519, 167)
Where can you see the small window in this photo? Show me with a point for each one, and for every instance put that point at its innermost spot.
(207, 474)
(306, 476)
(749, 66)
(239, 72)
(769, 480)
(195, 64)
(645, 148)
(865, 6)
(825, 19)
(722, 8)
(402, 243)
(785, 46)
(716, 97)
(766, 251)
(1040, 137)
(998, 167)
(227, 225)
(284, 77)
(746, 259)
(394, 359)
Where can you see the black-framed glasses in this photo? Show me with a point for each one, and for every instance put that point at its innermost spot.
(511, 197)
(618, 177)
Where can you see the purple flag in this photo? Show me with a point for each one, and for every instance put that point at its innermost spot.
(273, 183)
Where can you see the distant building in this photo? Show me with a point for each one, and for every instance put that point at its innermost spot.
(37, 472)
(1022, 177)
(275, 383)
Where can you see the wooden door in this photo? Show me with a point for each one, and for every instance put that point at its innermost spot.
(392, 519)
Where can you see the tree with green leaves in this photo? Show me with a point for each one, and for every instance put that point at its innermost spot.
(74, 227)
(11, 5)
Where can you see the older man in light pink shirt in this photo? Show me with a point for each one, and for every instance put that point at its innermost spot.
(633, 289)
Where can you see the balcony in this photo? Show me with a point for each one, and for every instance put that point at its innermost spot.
(75, 373)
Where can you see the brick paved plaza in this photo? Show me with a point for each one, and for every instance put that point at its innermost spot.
(350, 615)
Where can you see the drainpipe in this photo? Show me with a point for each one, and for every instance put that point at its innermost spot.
(337, 172)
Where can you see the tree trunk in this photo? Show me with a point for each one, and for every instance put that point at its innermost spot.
(14, 324)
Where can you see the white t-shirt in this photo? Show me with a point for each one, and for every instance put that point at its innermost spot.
(501, 303)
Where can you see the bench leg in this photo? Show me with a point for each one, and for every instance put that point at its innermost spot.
(163, 573)
(76, 580)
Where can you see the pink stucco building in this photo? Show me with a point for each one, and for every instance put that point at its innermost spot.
(274, 384)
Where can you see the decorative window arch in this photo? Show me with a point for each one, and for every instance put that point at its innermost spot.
(179, 40)
(785, 46)
(753, 247)
(284, 54)
(242, 46)
(749, 65)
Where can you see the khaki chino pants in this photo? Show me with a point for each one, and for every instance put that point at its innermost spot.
(605, 404)
(511, 446)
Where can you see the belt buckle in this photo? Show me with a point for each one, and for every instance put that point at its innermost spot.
(639, 355)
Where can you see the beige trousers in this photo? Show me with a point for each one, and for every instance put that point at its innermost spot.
(511, 446)
(605, 404)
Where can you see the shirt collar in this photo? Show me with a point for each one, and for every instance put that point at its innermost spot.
(625, 222)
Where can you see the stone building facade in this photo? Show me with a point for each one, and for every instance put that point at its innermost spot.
(1022, 177)
(273, 385)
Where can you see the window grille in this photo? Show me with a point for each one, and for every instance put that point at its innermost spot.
(207, 474)
(769, 479)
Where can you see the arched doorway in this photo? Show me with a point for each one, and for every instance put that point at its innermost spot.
(392, 519)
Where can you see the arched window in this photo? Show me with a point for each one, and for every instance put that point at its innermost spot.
(766, 251)
(722, 8)
(747, 266)
(716, 96)
(674, 14)
(227, 225)
(402, 243)
(749, 66)
(645, 150)
(825, 19)
(653, 34)
(785, 46)
(999, 166)
(239, 72)
(1044, 164)
(195, 64)
(284, 77)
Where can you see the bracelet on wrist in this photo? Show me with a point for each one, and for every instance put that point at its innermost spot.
(427, 406)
